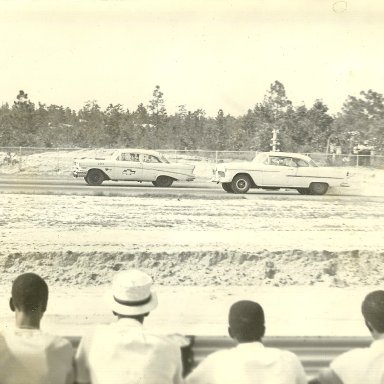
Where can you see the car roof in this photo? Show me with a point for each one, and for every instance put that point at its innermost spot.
(288, 154)
(139, 150)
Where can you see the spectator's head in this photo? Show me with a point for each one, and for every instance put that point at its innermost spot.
(29, 300)
(132, 295)
(246, 321)
(373, 312)
(29, 293)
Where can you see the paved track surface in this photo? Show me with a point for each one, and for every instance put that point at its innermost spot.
(68, 185)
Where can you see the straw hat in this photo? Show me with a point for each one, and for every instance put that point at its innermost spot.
(131, 293)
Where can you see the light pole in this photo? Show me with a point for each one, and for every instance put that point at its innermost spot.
(274, 141)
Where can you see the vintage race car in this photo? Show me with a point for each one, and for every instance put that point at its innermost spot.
(132, 165)
(275, 170)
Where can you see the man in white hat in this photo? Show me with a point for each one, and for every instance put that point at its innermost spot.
(124, 352)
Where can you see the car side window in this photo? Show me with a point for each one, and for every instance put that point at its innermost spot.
(288, 162)
(150, 159)
(276, 161)
(153, 159)
(301, 163)
(129, 157)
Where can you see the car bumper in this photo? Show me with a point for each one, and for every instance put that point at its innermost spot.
(78, 173)
(220, 179)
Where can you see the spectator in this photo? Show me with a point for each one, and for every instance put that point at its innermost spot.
(123, 352)
(27, 355)
(361, 365)
(248, 362)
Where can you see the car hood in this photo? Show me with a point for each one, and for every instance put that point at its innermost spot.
(235, 165)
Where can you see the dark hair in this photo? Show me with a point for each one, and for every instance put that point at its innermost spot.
(373, 310)
(246, 321)
(29, 291)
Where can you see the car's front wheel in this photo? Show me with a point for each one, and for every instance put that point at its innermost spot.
(95, 177)
(163, 182)
(318, 188)
(303, 191)
(241, 184)
(227, 187)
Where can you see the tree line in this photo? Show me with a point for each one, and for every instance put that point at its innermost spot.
(300, 129)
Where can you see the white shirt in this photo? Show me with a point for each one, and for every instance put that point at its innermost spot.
(124, 353)
(361, 365)
(249, 363)
(30, 356)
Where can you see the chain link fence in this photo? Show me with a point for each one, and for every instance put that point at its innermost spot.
(51, 161)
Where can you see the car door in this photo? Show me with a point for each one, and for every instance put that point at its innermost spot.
(279, 171)
(128, 166)
(304, 173)
(152, 167)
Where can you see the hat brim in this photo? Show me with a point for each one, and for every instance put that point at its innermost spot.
(134, 310)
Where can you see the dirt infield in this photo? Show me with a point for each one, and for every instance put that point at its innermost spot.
(273, 240)
(207, 268)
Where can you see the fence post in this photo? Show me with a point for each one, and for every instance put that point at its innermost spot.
(58, 160)
(216, 156)
(20, 161)
(357, 160)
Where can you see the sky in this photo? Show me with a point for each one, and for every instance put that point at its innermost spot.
(203, 54)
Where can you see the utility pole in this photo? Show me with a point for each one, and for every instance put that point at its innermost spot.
(274, 142)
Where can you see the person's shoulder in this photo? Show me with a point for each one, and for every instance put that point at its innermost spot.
(282, 354)
(343, 363)
(56, 342)
(176, 339)
(350, 356)
(168, 341)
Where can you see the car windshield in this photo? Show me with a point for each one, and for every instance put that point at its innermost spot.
(260, 158)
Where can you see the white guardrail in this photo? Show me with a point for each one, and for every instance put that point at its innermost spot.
(314, 353)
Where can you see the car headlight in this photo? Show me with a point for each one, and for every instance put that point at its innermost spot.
(221, 174)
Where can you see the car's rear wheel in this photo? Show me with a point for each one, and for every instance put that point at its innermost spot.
(227, 187)
(318, 188)
(241, 184)
(303, 191)
(163, 182)
(95, 177)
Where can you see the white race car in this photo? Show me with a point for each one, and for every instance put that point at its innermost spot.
(132, 165)
(275, 170)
